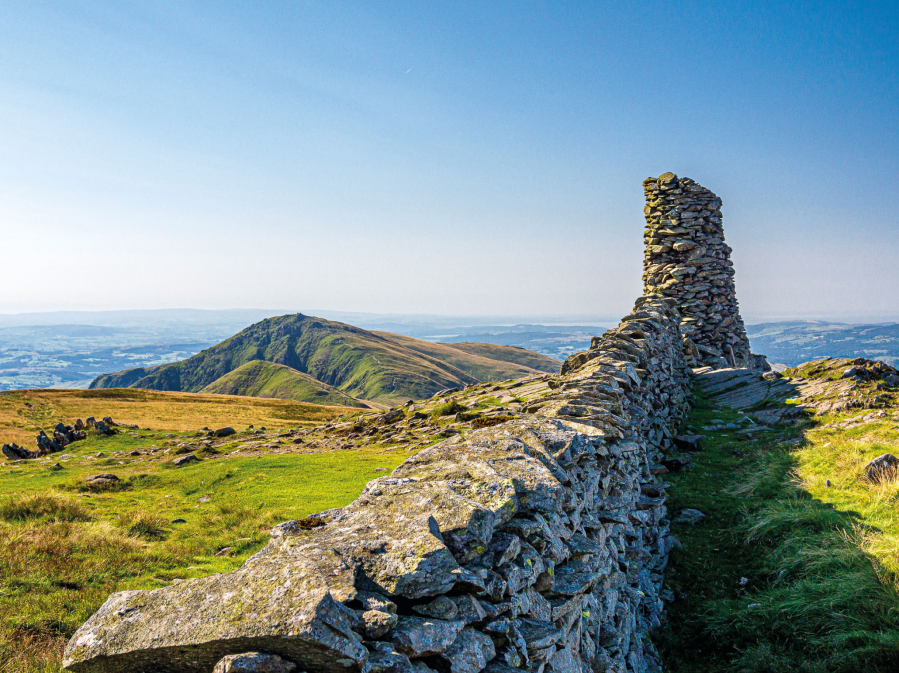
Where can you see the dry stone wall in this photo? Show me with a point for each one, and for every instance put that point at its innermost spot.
(535, 545)
(687, 260)
(538, 544)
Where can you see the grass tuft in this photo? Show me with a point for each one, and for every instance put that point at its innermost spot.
(448, 409)
(43, 506)
(144, 525)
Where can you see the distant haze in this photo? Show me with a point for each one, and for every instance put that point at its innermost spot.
(454, 159)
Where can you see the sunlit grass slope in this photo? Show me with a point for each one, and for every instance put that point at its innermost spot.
(65, 546)
(485, 362)
(24, 412)
(267, 379)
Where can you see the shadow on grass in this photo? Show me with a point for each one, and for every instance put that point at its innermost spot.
(772, 580)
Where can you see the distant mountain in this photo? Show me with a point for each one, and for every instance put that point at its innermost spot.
(379, 367)
(267, 379)
(792, 343)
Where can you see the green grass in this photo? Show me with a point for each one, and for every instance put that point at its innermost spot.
(64, 550)
(448, 409)
(820, 562)
(268, 379)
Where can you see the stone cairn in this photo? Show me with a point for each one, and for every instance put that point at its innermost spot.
(687, 260)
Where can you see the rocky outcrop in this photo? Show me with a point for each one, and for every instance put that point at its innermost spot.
(687, 260)
(538, 543)
(62, 436)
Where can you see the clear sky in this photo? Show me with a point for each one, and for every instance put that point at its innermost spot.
(454, 158)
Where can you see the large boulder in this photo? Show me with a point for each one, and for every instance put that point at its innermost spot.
(277, 605)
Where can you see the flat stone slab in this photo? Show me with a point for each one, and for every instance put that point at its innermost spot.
(743, 388)
(272, 604)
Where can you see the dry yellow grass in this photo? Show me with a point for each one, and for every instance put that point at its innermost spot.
(23, 412)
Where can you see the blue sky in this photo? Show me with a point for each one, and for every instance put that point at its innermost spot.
(454, 158)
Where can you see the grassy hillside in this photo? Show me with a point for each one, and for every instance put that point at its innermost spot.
(65, 546)
(24, 412)
(521, 356)
(267, 379)
(486, 362)
(365, 365)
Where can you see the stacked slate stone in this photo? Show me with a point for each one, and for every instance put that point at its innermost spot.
(535, 545)
(687, 260)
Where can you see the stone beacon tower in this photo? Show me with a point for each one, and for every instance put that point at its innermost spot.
(688, 261)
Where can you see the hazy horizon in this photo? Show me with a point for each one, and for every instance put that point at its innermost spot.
(469, 158)
(50, 318)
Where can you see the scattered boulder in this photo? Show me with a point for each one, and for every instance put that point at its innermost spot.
(225, 432)
(882, 468)
(390, 417)
(15, 452)
(104, 429)
(254, 662)
(185, 460)
(689, 516)
(105, 478)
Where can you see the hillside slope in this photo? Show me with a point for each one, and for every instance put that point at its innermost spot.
(267, 379)
(379, 367)
(516, 354)
(486, 362)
